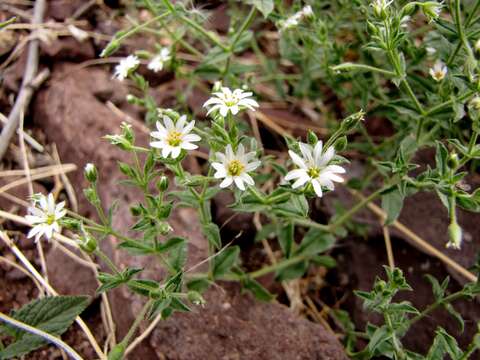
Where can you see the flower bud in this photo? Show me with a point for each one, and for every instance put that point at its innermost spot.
(172, 114)
(90, 172)
(110, 48)
(195, 298)
(380, 285)
(164, 228)
(312, 137)
(162, 183)
(477, 45)
(135, 211)
(87, 242)
(341, 144)
(431, 9)
(351, 121)
(453, 160)
(455, 235)
(127, 132)
(217, 86)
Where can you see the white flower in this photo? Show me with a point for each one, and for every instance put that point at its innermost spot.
(314, 168)
(234, 167)
(295, 19)
(44, 216)
(227, 100)
(290, 23)
(125, 67)
(159, 60)
(174, 137)
(307, 11)
(430, 50)
(438, 71)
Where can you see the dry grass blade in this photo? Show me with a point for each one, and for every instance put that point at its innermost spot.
(54, 171)
(420, 242)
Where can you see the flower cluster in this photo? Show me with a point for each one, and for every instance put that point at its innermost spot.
(44, 216)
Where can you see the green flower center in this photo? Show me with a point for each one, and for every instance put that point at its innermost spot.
(313, 172)
(50, 219)
(231, 101)
(174, 138)
(235, 168)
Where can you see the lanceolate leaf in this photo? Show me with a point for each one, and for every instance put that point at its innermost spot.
(53, 315)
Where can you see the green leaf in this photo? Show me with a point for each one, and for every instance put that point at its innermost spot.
(223, 262)
(199, 284)
(315, 241)
(264, 6)
(456, 315)
(53, 314)
(292, 272)
(267, 231)
(444, 344)
(258, 290)
(212, 233)
(392, 203)
(285, 238)
(381, 335)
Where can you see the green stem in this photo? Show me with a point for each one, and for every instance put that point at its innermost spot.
(278, 266)
(396, 344)
(195, 26)
(344, 217)
(182, 42)
(137, 28)
(53, 339)
(107, 261)
(364, 67)
(442, 106)
(435, 305)
(126, 340)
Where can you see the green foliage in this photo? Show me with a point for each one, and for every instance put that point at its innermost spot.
(399, 316)
(53, 315)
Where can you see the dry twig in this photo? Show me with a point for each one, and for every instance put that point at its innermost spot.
(28, 83)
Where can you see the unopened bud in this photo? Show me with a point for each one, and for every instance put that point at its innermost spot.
(87, 242)
(217, 86)
(350, 122)
(453, 161)
(90, 172)
(162, 183)
(455, 235)
(195, 298)
(312, 137)
(341, 144)
(164, 228)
